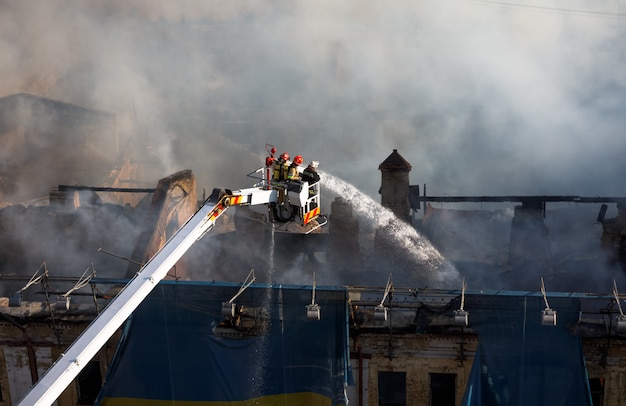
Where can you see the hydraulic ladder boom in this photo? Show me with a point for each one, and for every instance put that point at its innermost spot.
(93, 338)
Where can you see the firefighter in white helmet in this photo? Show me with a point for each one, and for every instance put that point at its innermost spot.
(310, 173)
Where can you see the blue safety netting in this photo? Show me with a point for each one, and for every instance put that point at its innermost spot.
(179, 347)
(520, 361)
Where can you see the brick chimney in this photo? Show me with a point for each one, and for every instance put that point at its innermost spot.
(394, 189)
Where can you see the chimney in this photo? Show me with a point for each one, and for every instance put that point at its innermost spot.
(530, 251)
(394, 189)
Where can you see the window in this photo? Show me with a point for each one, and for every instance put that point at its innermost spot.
(442, 389)
(392, 388)
(597, 391)
(89, 383)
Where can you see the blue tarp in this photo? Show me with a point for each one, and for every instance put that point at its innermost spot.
(176, 348)
(521, 362)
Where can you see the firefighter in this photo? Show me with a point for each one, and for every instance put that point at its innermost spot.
(310, 173)
(311, 176)
(269, 166)
(269, 161)
(281, 167)
(293, 173)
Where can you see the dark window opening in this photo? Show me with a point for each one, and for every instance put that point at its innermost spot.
(392, 388)
(89, 383)
(442, 389)
(596, 385)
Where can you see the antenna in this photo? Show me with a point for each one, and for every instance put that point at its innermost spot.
(380, 311)
(548, 316)
(16, 298)
(82, 282)
(228, 308)
(620, 319)
(313, 309)
(461, 317)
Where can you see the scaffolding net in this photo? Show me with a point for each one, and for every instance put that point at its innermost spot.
(189, 343)
(526, 355)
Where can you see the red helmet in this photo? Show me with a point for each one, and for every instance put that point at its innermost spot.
(273, 150)
(298, 160)
(284, 156)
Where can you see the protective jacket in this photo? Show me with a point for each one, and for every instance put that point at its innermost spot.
(280, 170)
(293, 173)
(310, 175)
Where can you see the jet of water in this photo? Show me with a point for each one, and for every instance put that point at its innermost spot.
(418, 248)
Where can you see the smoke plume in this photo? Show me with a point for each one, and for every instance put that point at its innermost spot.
(481, 97)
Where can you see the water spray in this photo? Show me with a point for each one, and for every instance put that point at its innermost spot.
(419, 249)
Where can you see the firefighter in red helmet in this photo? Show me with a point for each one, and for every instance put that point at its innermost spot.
(269, 161)
(281, 167)
(294, 173)
(269, 164)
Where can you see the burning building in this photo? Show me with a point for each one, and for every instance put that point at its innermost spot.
(283, 337)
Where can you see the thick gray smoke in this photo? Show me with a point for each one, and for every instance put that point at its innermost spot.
(481, 97)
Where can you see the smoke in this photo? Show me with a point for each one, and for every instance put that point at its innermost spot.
(67, 242)
(481, 97)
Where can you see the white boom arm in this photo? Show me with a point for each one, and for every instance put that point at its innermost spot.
(93, 338)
